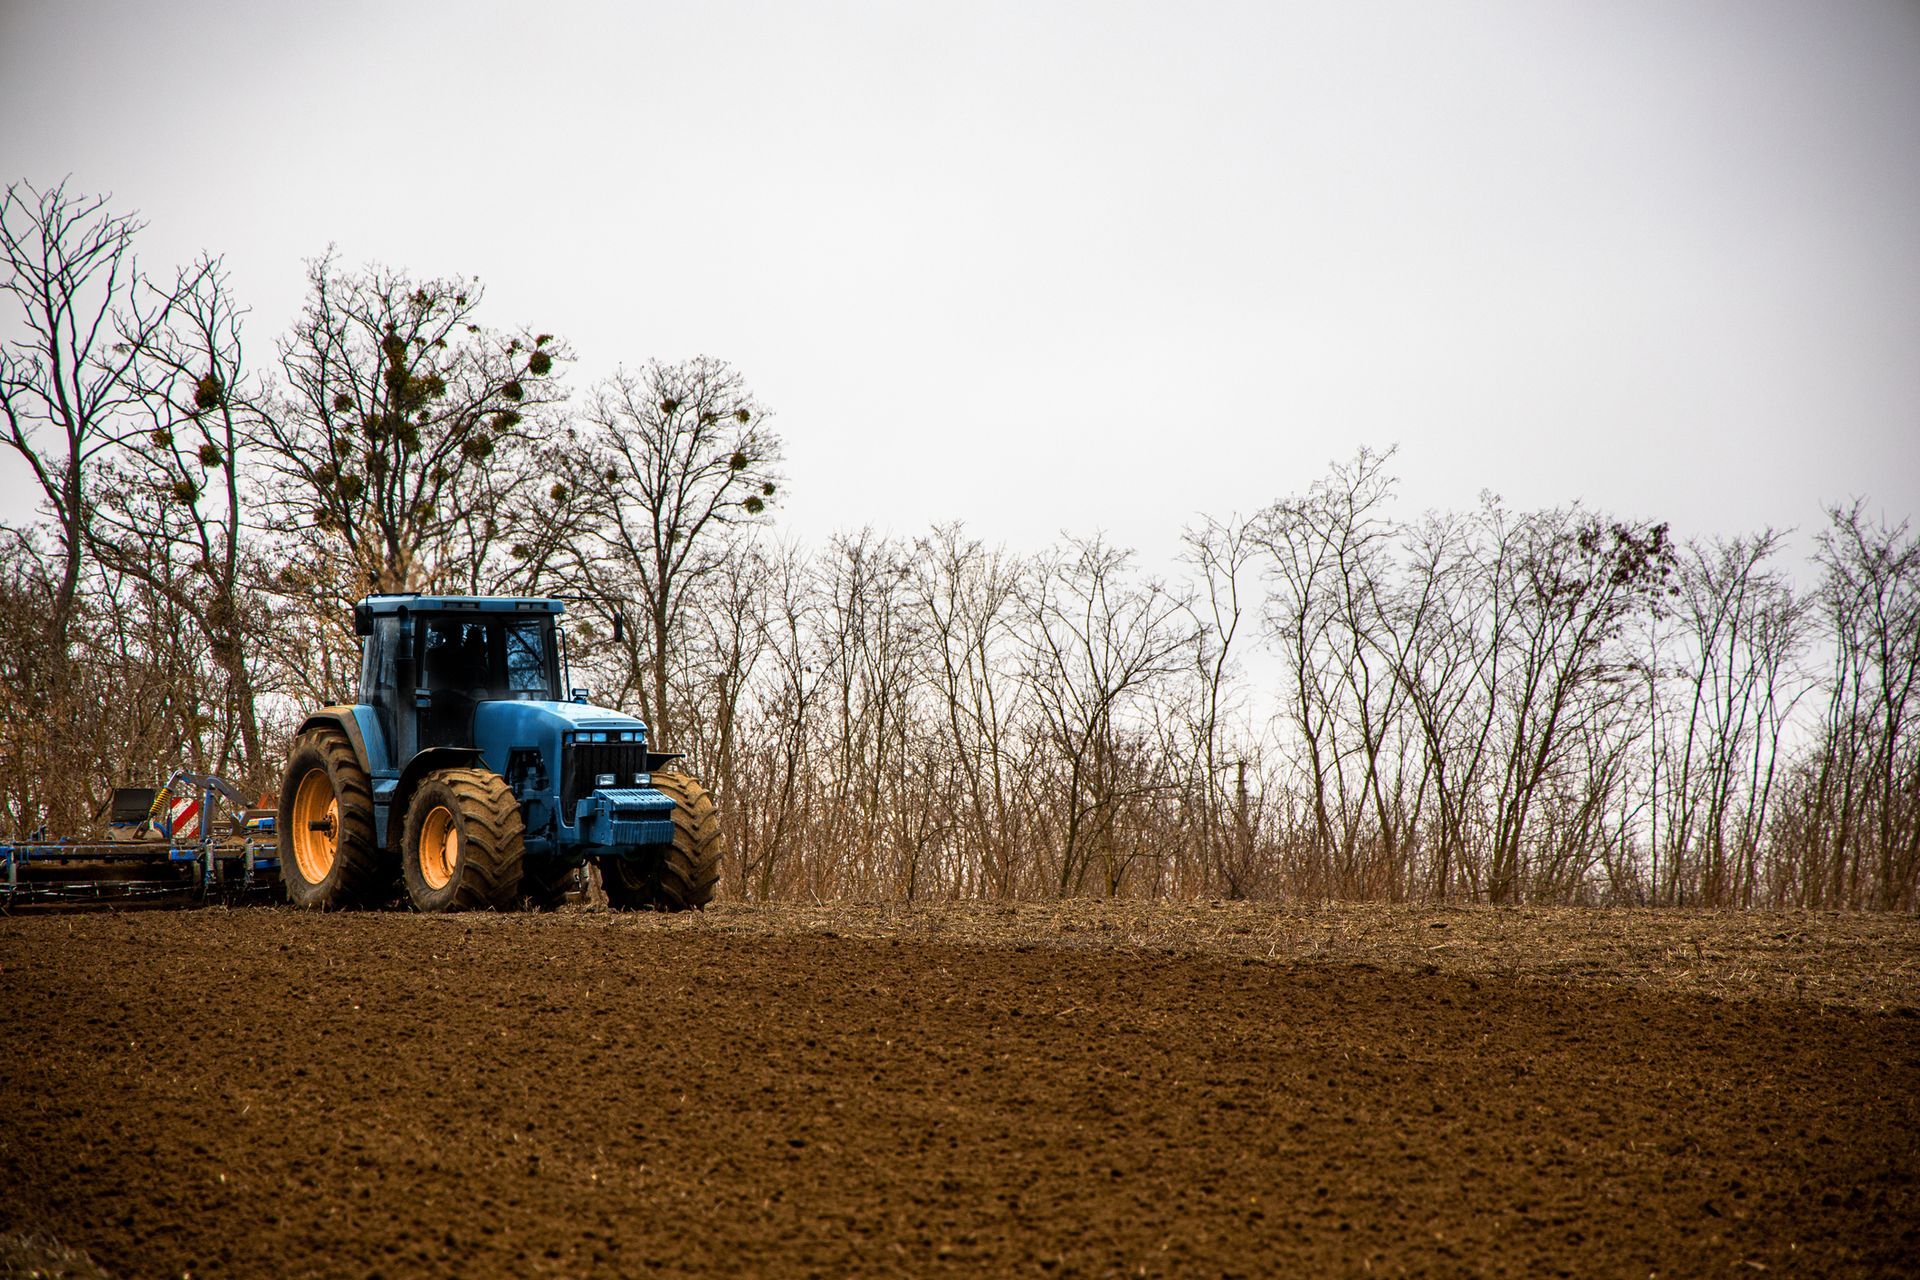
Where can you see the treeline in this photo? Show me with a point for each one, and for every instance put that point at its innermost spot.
(1328, 699)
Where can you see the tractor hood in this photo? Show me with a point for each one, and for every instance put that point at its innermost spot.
(561, 757)
(499, 727)
(572, 715)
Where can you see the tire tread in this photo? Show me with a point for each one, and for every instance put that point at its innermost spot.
(493, 840)
(683, 877)
(365, 872)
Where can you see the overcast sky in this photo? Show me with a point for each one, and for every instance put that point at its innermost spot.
(1103, 266)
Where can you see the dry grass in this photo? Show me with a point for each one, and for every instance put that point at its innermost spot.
(35, 1258)
(1868, 962)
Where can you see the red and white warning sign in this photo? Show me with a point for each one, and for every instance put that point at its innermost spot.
(183, 816)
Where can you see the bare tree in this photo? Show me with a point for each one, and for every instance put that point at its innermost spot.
(1726, 697)
(772, 800)
(969, 596)
(67, 265)
(676, 455)
(1572, 585)
(401, 419)
(34, 761)
(1328, 556)
(870, 652)
(1451, 622)
(64, 391)
(1096, 643)
(175, 514)
(1860, 794)
(1222, 553)
(723, 659)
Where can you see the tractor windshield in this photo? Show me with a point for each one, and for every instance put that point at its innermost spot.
(489, 657)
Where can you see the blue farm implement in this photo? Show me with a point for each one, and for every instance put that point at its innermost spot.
(194, 839)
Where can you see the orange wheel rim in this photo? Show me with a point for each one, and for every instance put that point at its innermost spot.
(316, 826)
(439, 847)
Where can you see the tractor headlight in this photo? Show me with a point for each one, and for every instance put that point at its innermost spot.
(642, 779)
(605, 779)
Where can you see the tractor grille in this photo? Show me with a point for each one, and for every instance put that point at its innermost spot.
(582, 762)
(626, 835)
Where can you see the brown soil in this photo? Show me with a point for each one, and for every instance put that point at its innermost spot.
(862, 1091)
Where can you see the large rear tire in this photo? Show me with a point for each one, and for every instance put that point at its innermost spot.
(328, 856)
(464, 845)
(680, 877)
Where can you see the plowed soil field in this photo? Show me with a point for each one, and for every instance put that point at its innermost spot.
(1180, 1092)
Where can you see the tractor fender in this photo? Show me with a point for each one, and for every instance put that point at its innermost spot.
(422, 764)
(343, 719)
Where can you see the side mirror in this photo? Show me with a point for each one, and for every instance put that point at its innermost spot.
(362, 620)
(580, 695)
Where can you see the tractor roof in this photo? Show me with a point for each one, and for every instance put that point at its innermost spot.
(415, 603)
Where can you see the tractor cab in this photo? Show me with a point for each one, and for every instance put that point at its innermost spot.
(428, 662)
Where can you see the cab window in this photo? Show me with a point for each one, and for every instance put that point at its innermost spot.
(528, 661)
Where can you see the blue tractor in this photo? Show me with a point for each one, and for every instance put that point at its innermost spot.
(463, 775)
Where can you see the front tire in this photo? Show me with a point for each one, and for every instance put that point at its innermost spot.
(681, 876)
(464, 845)
(328, 856)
